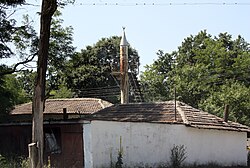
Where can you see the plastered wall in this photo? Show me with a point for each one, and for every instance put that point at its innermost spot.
(149, 144)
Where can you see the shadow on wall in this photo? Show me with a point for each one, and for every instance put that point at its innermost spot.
(248, 158)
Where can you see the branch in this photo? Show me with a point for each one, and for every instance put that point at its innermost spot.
(14, 69)
(14, 11)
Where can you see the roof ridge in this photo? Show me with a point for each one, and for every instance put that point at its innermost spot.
(139, 103)
(229, 124)
(205, 112)
(22, 104)
(103, 102)
(73, 105)
(72, 99)
(182, 113)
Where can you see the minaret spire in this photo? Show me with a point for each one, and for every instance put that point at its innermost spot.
(124, 41)
(124, 69)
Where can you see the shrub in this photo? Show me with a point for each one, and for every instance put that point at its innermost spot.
(13, 162)
(119, 160)
(3, 161)
(178, 156)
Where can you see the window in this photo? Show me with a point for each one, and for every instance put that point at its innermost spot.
(52, 138)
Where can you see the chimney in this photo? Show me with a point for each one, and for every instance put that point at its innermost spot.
(65, 115)
(124, 69)
(226, 112)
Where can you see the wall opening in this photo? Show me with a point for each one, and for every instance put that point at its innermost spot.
(52, 138)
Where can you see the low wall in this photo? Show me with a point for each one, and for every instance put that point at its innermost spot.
(149, 144)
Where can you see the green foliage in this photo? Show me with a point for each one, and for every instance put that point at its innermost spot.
(18, 162)
(177, 156)
(153, 79)
(6, 30)
(61, 92)
(25, 163)
(60, 50)
(11, 94)
(236, 94)
(3, 161)
(119, 162)
(69, 73)
(92, 67)
(12, 2)
(13, 86)
(207, 72)
(19, 41)
(26, 79)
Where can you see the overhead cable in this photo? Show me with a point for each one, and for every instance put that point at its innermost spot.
(153, 4)
(163, 4)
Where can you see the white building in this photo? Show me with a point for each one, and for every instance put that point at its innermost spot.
(147, 132)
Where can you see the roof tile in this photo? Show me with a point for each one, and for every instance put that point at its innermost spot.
(142, 112)
(75, 105)
(164, 112)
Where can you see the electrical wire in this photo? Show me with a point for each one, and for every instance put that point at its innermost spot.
(163, 4)
(153, 4)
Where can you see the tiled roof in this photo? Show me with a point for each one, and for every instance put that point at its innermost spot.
(164, 112)
(143, 112)
(200, 119)
(74, 105)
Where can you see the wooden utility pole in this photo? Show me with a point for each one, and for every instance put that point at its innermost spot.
(36, 147)
(124, 69)
(226, 112)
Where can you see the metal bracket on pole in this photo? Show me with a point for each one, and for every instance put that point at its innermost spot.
(33, 153)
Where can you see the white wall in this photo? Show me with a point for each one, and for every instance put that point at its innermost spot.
(87, 145)
(149, 144)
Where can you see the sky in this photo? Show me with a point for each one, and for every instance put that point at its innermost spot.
(150, 28)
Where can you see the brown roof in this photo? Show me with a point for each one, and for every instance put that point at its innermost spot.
(75, 105)
(144, 112)
(164, 112)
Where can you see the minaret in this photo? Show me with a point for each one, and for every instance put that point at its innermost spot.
(124, 69)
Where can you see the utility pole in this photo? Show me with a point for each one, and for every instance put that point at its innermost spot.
(38, 104)
(124, 69)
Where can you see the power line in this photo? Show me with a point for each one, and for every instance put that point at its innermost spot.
(154, 4)
(31, 4)
(164, 4)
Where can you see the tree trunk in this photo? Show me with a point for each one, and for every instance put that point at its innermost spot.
(48, 9)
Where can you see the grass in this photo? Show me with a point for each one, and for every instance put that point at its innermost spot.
(16, 162)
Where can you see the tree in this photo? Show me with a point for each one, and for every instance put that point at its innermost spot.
(236, 95)
(12, 2)
(38, 103)
(207, 71)
(11, 94)
(60, 49)
(13, 38)
(213, 62)
(16, 41)
(154, 78)
(92, 67)
(11, 33)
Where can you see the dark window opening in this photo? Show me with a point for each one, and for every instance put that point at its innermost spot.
(52, 137)
(248, 145)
